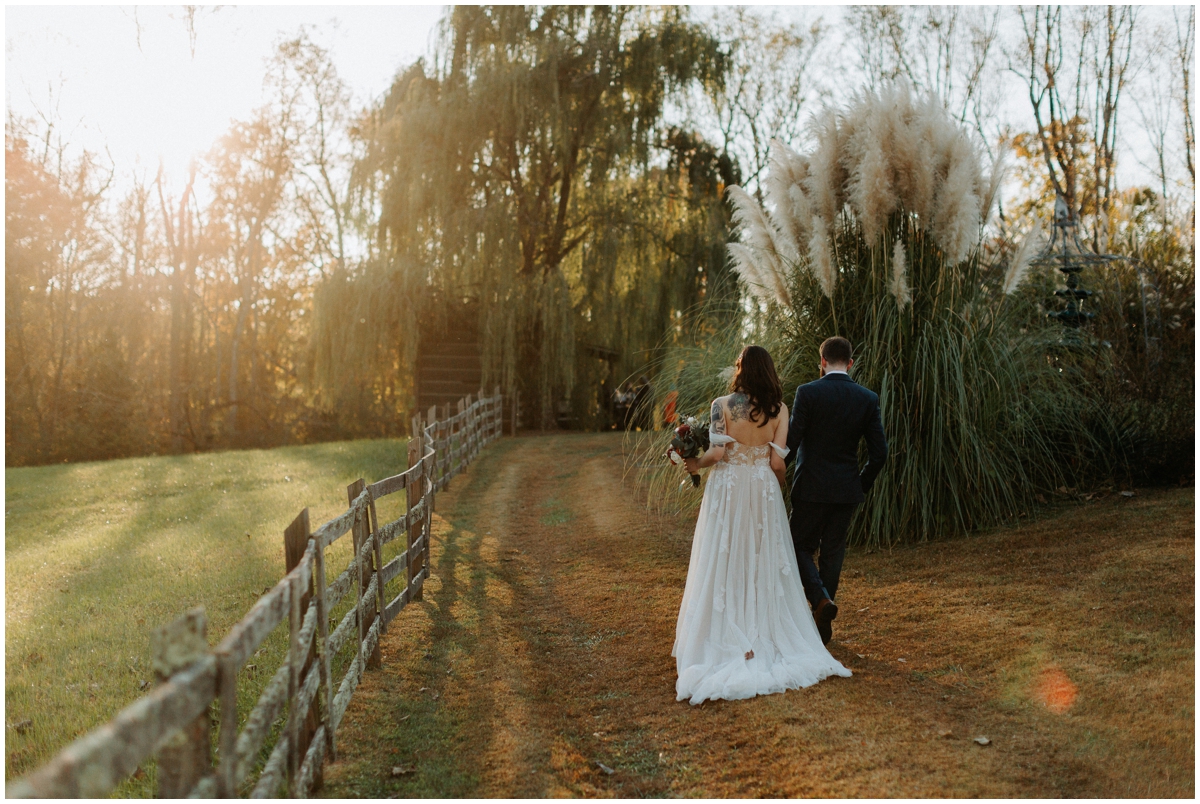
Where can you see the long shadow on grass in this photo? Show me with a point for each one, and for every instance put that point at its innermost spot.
(148, 567)
(437, 738)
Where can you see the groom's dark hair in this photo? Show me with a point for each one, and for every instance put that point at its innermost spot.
(836, 350)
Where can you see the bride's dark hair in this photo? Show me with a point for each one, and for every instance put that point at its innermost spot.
(754, 375)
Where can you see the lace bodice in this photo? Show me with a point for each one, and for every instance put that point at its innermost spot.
(741, 455)
(738, 454)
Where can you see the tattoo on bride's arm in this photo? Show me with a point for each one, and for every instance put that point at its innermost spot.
(718, 418)
(739, 406)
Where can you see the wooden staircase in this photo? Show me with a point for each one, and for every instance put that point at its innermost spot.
(447, 371)
(449, 362)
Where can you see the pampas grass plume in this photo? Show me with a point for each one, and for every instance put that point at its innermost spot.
(821, 257)
(900, 287)
(756, 258)
(888, 151)
(1018, 269)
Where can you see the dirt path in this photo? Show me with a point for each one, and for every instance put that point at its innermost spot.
(542, 651)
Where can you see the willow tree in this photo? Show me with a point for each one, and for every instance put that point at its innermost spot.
(530, 169)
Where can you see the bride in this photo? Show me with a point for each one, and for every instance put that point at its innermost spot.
(744, 626)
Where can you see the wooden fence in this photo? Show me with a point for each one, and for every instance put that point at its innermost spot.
(174, 720)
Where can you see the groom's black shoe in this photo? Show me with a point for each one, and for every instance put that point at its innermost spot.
(824, 614)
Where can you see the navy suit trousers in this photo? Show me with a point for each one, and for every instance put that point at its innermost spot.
(820, 528)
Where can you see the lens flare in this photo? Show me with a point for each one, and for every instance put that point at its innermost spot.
(1054, 690)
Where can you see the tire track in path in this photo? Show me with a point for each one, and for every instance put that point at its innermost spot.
(539, 661)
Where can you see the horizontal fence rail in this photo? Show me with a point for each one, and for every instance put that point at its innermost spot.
(281, 744)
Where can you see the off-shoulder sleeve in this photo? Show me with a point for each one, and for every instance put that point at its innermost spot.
(719, 439)
(783, 451)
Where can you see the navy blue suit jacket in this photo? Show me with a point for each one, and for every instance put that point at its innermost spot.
(828, 418)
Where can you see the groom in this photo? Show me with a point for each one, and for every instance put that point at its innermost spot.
(829, 417)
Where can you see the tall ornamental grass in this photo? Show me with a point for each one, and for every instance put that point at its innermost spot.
(874, 235)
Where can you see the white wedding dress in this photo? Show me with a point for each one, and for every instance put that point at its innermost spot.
(743, 596)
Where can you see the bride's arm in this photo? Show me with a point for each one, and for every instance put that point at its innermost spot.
(780, 440)
(715, 452)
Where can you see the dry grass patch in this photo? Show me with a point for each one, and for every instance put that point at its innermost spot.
(548, 623)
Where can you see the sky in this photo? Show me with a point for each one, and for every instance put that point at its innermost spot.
(127, 80)
(131, 82)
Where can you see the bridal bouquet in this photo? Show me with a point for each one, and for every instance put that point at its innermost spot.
(690, 441)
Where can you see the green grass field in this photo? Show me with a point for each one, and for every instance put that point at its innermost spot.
(98, 554)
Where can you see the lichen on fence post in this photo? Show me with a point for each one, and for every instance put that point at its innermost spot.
(325, 708)
(412, 497)
(187, 755)
(366, 570)
(295, 542)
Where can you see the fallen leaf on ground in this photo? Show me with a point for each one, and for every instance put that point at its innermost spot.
(23, 726)
(605, 768)
(903, 660)
(1127, 494)
(143, 684)
(983, 741)
(139, 774)
(860, 611)
(749, 655)
(403, 770)
(945, 733)
(406, 717)
(861, 656)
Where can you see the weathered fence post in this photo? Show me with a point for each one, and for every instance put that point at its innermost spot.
(295, 541)
(323, 642)
(475, 408)
(227, 738)
(187, 756)
(411, 497)
(294, 718)
(463, 447)
(365, 570)
(499, 413)
(431, 420)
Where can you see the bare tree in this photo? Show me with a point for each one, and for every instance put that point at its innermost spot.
(182, 256)
(1111, 55)
(946, 50)
(1185, 42)
(769, 86)
(1076, 64)
(325, 155)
